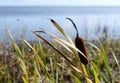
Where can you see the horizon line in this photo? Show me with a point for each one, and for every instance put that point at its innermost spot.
(12, 10)
(59, 6)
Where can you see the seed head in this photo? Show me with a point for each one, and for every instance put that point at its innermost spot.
(79, 42)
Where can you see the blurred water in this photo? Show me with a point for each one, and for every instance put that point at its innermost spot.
(88, 24)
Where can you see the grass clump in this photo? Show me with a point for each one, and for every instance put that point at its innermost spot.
(59, 60)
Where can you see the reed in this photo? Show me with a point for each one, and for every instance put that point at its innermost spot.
(79, 42)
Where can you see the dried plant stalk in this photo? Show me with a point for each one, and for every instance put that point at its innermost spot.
(79, 42)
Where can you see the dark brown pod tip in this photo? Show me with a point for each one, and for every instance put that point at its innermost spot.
(79, 42)
(52, 21)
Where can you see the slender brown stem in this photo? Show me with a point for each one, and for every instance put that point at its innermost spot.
(74, 26)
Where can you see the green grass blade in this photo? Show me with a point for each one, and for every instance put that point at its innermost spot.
(24, 68)
(76, 79)
(95, 75)
(99, 72)
(105, 59)
(106, 62)
(15, 45)
(42, 52)
(56, 65)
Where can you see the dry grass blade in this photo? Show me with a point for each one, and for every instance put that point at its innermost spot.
(64, 45)
(59, 40)
(115, 59)
(58, 26)
(29, 45)
(53, 48)
(56, 39)
(69, 44)
(79, 71)
(62, 31)
(93, 45)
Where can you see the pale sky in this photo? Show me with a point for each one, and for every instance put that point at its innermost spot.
(59, 2)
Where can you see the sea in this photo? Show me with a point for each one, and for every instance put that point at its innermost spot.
(91, 21)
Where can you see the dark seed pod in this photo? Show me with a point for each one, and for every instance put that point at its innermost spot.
(79, 42)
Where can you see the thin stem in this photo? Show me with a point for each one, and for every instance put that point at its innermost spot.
(74, 26)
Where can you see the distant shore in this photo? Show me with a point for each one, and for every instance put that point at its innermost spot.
(59, 10)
